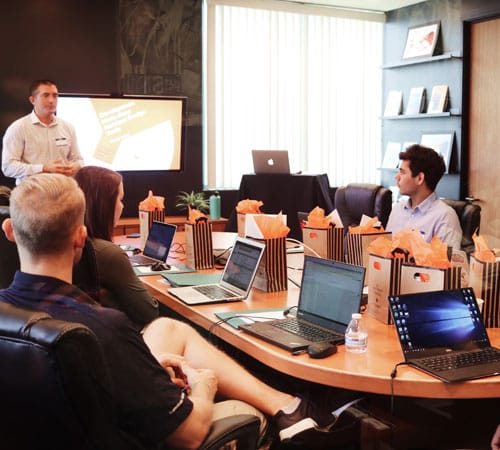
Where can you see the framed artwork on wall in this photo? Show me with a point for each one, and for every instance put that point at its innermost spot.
(442, 142)
(421, 40)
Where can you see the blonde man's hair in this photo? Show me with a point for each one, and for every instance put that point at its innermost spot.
(45, 210)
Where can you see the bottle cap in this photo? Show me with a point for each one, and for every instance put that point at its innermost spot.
(356, 315)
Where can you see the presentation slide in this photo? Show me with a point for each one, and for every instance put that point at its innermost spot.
(126, 133)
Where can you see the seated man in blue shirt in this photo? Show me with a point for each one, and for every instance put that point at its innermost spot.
(165, 380)
(420, 170)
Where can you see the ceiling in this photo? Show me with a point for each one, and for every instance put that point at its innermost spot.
(367, 5)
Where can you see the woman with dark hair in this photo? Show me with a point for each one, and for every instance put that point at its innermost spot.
(120, 286)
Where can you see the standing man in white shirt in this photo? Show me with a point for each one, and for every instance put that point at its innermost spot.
(40, 141)
(420, 170)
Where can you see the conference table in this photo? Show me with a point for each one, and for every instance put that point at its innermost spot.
(369, 372)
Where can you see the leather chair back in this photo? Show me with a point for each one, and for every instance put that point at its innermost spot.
(9, 258)
(356, 199)
(469, 215)
(53, 385)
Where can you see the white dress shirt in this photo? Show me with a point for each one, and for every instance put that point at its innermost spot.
(28, 144)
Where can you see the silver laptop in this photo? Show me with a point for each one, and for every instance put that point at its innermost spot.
(236, 280)
(157, 245)
(270, 161)
(330, 292)
(443, 334)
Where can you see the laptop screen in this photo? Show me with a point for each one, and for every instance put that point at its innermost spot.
(242, 264)
(159, 240)
(432, 322)
(330, 291)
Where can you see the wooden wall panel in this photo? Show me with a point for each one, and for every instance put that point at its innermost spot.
(484, 130)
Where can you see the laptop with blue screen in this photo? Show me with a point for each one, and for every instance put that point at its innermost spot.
(443, 334)
(157, 245)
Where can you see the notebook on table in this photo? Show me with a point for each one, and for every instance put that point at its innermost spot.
(157, 245)
(237, 277)
(443, 334)
(330, 292)
(270, 161)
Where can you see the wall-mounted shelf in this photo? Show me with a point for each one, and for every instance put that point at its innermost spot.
(423, 116)
(411, 62)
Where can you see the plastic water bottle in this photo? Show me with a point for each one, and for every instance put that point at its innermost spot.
(356, 337)
(214, 201)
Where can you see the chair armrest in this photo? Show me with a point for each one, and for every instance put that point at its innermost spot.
(243, 428)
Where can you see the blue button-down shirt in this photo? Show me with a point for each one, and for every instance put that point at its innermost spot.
(432, 217)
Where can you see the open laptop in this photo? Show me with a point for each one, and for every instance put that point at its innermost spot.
(237, 278)
(441, 331)
(270, 161)
(157, 245)
(330, 292)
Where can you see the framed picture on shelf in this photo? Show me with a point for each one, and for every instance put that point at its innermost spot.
(442, 142)
(421, 40)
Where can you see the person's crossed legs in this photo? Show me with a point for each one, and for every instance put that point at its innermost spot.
(170, 339)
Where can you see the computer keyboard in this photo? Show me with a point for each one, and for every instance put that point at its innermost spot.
(306, 331)
(459, 360)
(214, 292)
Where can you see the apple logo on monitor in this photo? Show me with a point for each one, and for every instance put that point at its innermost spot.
(270, 162)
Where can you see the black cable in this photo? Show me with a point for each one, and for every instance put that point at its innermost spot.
(393, 375)
(288, 310)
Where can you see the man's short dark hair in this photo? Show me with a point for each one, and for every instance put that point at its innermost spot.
(425, 160)
(37, 83)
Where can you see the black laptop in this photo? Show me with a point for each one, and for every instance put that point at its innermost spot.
(330, 292)
(443, 334)
(157, 245)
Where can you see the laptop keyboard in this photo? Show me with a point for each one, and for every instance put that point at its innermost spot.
(457, 361)
(306, 331)
(214, 291)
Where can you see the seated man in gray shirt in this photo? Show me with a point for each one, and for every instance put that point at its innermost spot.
(420, 170)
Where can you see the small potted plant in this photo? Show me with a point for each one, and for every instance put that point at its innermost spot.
(196, 200)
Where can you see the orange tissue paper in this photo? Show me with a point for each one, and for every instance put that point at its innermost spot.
(249, 206)
(482, 251)
(152, 202)
(368, 227)
(195, 215)
(271, 227)
(382, 246)
(317, 219)
(433, 254)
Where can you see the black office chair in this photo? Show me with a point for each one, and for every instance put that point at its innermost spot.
(356, 199)
(50, 387)
(469, 215)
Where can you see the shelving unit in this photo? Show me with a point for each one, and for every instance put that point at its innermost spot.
(403, 75)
